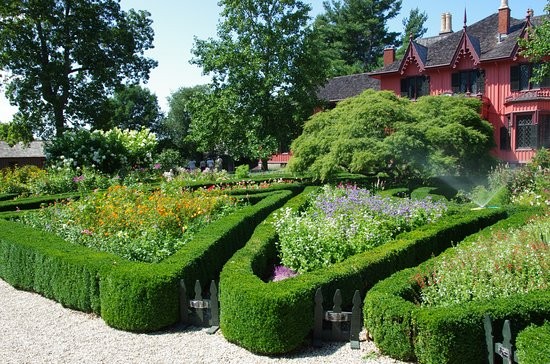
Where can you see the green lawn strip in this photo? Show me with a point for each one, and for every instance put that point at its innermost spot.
(129, 295)
(406, 331)
(276, 317)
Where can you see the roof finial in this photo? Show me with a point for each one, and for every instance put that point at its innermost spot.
(465, 18)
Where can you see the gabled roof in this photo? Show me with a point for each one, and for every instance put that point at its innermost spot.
(468, 46)
(342, 87)
(33, 150)
(481, 36)
(416, 53)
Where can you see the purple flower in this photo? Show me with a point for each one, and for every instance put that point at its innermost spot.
(78, 179)
(157, 166)
(281, 272)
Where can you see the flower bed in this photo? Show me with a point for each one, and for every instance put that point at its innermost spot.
(132, 222)
(345, 220)
(452, 332)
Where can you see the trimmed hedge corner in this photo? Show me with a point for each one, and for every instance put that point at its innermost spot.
(131, 296)
(407, 331)
(533, 343)
(276, 317)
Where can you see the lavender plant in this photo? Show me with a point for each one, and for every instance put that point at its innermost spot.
(506, 263)
(343, 221)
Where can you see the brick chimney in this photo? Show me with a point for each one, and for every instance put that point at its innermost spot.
(446, 23)
(389, 55)
(503, 18)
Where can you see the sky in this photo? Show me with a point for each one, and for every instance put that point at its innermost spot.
(177, 22)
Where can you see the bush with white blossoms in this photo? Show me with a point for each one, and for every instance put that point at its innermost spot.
(109, 152)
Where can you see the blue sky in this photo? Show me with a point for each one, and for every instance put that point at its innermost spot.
(177, 22)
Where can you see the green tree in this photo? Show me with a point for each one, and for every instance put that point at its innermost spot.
(175, 127)
(266, 67)
(537, 47)
(378, 132)
(413, 27)
(355, 33)
(16, 131)
(132, 107)
(65, 56)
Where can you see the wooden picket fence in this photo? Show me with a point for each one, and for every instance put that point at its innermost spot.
(335, 324)
(200, 311)
(506, 348)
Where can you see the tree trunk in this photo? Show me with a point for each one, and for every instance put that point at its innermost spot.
(264, 164)
(59, 119)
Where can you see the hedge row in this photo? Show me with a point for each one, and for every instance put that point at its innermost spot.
(406, 331)
(26, 203)
(275, 317)
(128, 295)
(533, 344)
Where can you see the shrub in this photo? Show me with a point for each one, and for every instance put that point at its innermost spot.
(242, 171)
(533, 343)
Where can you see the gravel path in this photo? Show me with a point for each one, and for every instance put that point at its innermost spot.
(34, 329)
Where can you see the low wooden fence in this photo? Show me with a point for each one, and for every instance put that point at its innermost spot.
(200, 311)
(506, 348)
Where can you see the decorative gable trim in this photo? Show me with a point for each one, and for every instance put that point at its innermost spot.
(416, 54)
(468, 46)
(524, 34)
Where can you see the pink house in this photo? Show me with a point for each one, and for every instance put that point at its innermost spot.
(480, 60)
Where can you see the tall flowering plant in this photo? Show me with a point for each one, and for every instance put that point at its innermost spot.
(343, 221)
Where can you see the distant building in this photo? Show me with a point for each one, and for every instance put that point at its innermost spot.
(21, 154)
(481, 60)
(343, 87)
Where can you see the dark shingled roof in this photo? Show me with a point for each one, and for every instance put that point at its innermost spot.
(483, 35)
(340, 88)
(33, 150)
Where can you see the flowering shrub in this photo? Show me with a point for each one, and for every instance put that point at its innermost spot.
(506, 263)
(343, 221)
(109, 152)
(281, 272)
(17, 180)
(131, 222)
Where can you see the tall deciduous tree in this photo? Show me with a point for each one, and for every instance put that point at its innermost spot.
(65, 56)
(413, 27)
(266, 66)
(355, 33)
(537, 46)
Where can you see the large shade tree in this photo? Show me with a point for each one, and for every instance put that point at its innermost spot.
(266, 67)
(63, 57)
(355, 33)
(378, 132)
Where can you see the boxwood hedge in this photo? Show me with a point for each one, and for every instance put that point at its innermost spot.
(276, 317)
(131, 296)
(406, 331)
(533, 343)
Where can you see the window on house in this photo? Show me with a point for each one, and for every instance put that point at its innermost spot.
(544, 131)
(526, 132)
(414, 87)
(520, 77)
(505, 138)
(472, 81)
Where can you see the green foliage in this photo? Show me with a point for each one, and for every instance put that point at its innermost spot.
(128, 295)
(344, 221)
(533, 343)
(377, 132)
(405, 330)
(242, 171)
(109, 152)
(275, 317)
(413, 28)
(131, 107)
(266, 67)
(16, 132)
(134, 224)
(354, 33)
(536, 47)
(169, 159)
(58, 79)
(509, 262)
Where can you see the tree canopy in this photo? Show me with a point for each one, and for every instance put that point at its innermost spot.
(266, 67)
(537, 47)
(63, 57)
(355, 33)
(378, 132)
(413, 28)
